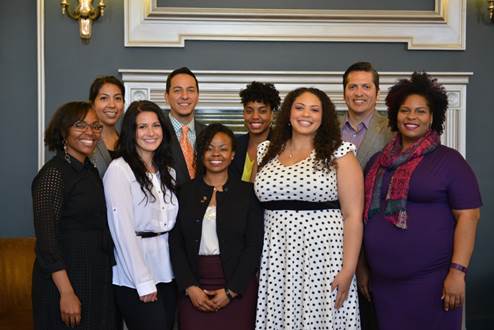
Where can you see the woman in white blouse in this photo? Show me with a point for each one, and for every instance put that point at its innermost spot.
(142, 208)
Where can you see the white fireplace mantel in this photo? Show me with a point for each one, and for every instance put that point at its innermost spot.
(219, 100)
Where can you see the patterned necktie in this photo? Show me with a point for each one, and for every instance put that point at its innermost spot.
(188, 151)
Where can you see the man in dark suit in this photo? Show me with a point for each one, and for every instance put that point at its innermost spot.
(368, 130)
(259, 101)
(182, 95)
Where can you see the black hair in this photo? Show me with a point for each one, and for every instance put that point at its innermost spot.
(361, 66)
(205, 138)
(127, 148)
(421, 84)
(100, 81)
(261, 92)
(59, 125)
(182, 70)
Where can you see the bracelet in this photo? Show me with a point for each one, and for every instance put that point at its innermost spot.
(228, 294)
(459, 267)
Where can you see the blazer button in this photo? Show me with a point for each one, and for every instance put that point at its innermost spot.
(197, 220)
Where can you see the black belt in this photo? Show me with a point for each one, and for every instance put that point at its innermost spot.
(148, 234)
(300, 205)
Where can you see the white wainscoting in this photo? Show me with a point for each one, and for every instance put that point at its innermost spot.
(219, 100)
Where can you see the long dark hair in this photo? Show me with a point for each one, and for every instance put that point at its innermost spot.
(326, 140)
(162, 158)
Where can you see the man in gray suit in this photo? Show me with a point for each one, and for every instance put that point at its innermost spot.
(182, 95)
(362, 124)
(368, 130)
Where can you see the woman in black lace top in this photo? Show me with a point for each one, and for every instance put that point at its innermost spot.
(74, 250)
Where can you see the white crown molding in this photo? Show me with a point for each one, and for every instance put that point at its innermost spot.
(219, 100)
(40, 13)
(147, 25)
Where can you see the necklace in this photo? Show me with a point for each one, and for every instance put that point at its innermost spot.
(290, 152)
(300, 154)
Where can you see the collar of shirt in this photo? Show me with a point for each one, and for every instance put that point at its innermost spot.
(75, 163)
(177, 127)
(349, 134)
(364, 124)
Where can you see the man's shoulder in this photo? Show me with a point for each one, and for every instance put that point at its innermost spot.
(341, 116)
(379, 118)
(379, 122)
(167, 120)
(199, 123)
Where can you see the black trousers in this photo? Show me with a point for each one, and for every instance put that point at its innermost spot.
(158, 315)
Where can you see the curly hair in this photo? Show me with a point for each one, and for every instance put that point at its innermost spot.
(421, 84)
(100, 81)
(326, 140)
(204, 139)
(65, 116)
(261, 92)
(162, 157)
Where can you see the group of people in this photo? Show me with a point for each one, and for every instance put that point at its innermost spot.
(307, 221)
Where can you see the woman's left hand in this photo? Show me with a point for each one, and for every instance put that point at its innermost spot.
(218, 297)
(453, 290)
(342, 283)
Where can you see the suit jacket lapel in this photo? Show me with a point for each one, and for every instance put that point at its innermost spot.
(375, 138)
(369, 141)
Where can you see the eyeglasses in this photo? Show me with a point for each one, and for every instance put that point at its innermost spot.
(82, 126)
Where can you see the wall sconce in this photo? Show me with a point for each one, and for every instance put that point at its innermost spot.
(490, 9)
(85, 13)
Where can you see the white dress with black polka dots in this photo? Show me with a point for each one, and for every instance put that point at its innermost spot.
(303, 250)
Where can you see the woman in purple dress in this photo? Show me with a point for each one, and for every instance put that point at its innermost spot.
(421, 211)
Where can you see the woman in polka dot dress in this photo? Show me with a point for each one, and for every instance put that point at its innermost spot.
(311, 186)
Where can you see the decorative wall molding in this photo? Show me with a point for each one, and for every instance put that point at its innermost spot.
(148, 25)
(219, 100)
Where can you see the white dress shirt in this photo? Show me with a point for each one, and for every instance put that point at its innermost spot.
(141, 262)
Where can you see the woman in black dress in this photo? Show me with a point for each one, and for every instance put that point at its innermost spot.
(74, 250)
(217, 241)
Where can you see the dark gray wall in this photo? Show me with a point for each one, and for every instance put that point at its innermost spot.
(18, 145)
(72, 65)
